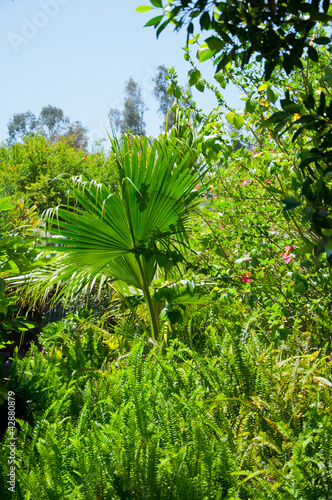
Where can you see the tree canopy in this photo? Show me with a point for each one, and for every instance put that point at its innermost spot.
(132, 116)
(274, 36)
(165, 99)
(51, 123)
(278, 33)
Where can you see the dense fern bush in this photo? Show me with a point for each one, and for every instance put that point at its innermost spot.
(240, 421)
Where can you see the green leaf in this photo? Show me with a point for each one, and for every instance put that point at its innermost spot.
(170, 88)
(230, 117)
(328, 248)
(194, 76)
(238, 121)
(262, 87)
(205, 21)
(161, 28)
(203, 54)
(322, 40)
(292, 107)
(2, 286)
(234, 119)
(177, 92)
(175, 316)
(290, 203)
(214, 43)
(3, 309)
(163, 313)
(301, 286)
(6, 203)
(154, 21)
(319, 16)
(271, 95)
(3, 388)
(24, 326)
(143, 8)
(241, 260)
(312, 53)
(307, 248)
(200, 85)
(269, 68)
(157, 3)
(220, 77)
(327, 77)
(194, 13)
(272, 189)
(250, 106)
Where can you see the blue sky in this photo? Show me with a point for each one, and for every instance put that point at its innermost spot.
(78, 54)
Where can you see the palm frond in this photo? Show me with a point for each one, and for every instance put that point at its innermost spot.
(120, 235)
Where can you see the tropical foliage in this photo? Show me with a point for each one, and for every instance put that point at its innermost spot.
(194, 357)
(125, 234)
(243, 419)
(36, 169)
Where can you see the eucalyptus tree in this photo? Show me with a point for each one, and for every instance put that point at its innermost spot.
(131, 118)
(21, 125)
(76, 135)
(52, 121)
(165, 99)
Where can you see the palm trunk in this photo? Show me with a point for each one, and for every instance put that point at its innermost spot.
(148, 301)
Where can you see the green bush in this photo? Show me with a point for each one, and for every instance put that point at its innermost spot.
(36, 170)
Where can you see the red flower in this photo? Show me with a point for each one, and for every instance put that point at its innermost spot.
(287, 257)
(246, 278)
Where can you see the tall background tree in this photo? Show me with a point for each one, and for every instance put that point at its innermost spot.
(52, 124)
(52, 121)
(131, 117)
(21, 125)
(166, 100)
(76, 135)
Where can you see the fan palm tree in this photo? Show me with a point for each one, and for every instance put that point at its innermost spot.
(124, 234)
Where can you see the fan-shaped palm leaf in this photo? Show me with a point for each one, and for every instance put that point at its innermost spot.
(123, 234)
